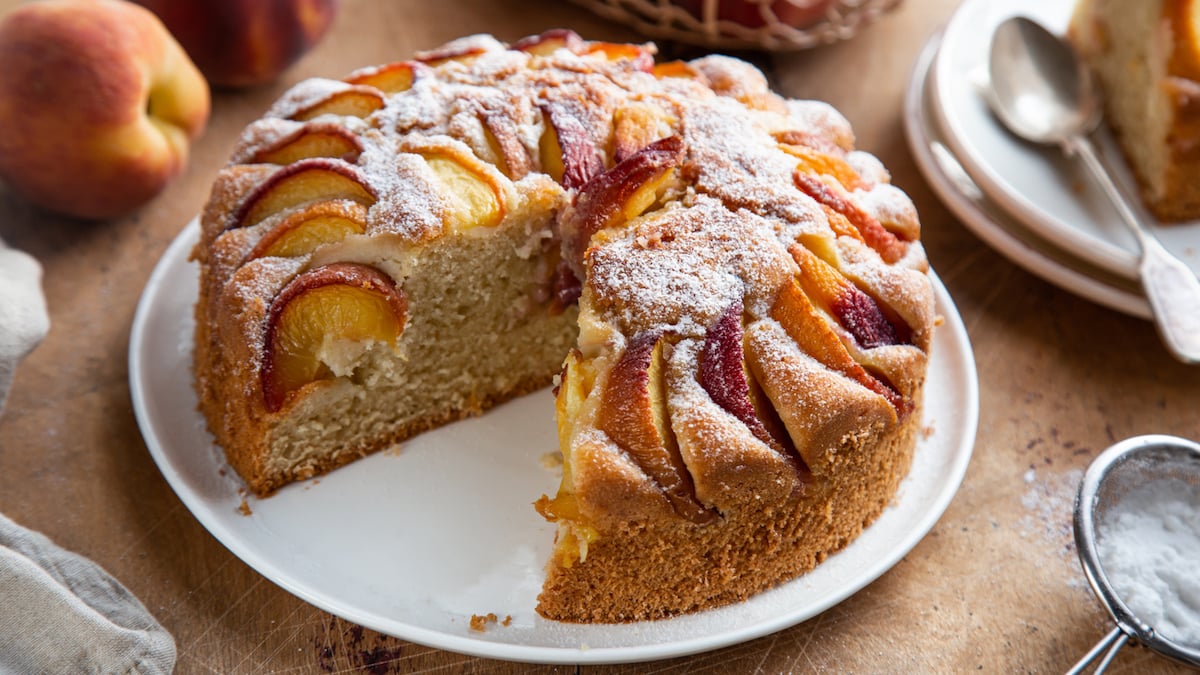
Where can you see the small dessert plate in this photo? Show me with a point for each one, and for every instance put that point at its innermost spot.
(415, 541)
(1048, 193)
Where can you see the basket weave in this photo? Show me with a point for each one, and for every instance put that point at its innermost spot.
(662, 19)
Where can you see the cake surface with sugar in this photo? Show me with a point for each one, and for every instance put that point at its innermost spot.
(740, 296)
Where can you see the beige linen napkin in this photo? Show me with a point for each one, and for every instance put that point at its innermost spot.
(59, 611)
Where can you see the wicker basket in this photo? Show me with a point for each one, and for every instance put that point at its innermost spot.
(760, 24)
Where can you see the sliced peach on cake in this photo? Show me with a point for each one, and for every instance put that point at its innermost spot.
(566, 150)
(551, 41)
(353, 101)
(640, 57)
(622, 193)
(322, 321)
(458, 51)
(861, 316)
(574, 385)
(889, 247)
(503, 139)
(813, 161)
(391, 78)
(637, 125)
(475, 199)
(633, 412)
(303, 231)
(802, 321)
(311, 140)
(724, 374)
(675, 69)
(308, 180)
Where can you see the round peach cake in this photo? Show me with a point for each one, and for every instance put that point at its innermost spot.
(739, 295)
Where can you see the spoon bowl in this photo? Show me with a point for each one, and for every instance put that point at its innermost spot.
(1040, 89)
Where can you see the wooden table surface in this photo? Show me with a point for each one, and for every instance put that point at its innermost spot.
(994, 587)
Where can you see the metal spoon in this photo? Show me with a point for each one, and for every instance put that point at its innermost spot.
(1131, 465)
(1044, 93)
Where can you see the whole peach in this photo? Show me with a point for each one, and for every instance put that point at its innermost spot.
(98, 105)
(240, 43)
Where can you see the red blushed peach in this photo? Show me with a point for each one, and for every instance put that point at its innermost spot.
(318, 310)
(242, 43)
(98, 106)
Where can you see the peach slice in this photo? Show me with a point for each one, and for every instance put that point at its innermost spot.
(301, 232)
(475, 199)
(354, 101)
(620, 194)
(633, 412)
(856, 311)
(723, 373)
(641, 59)
(889, 247)
(391, 78)
(572, 390)
(503, 138)
(825, 163)
(320, 312)
(566, 149)
(308, 180)
(311, 140)
(637, 125)
(463, 53)
(551, 41)
(675, 69)
(803, 323)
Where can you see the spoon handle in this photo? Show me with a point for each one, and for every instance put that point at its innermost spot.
(1171, 287)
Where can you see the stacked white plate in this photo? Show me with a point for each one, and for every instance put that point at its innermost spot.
(1036, 207)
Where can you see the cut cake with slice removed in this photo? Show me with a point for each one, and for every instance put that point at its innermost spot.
(740, 296)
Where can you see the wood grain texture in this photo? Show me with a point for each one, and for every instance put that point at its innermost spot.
(995, 587)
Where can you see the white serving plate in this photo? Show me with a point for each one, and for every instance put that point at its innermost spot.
(414, 542)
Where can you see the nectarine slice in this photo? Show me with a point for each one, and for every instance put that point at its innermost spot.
(357, 101)
(314, 140)
(308, 180)
(724, 375)
(320, 312)
(854, 310)
(622, 193)
(637, 125)
(618, 51)
(889, 247)
(503, 139)
(633, 412)
(301, 232)
(803, 323)
(566, 149)
(551, 41)
(674, 69)
(824, 163)
(392, 78)
(475, 200)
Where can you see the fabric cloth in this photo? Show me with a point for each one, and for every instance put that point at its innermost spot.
(59, 611)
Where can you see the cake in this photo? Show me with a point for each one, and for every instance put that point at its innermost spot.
(731, 301)
(1147, 57)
